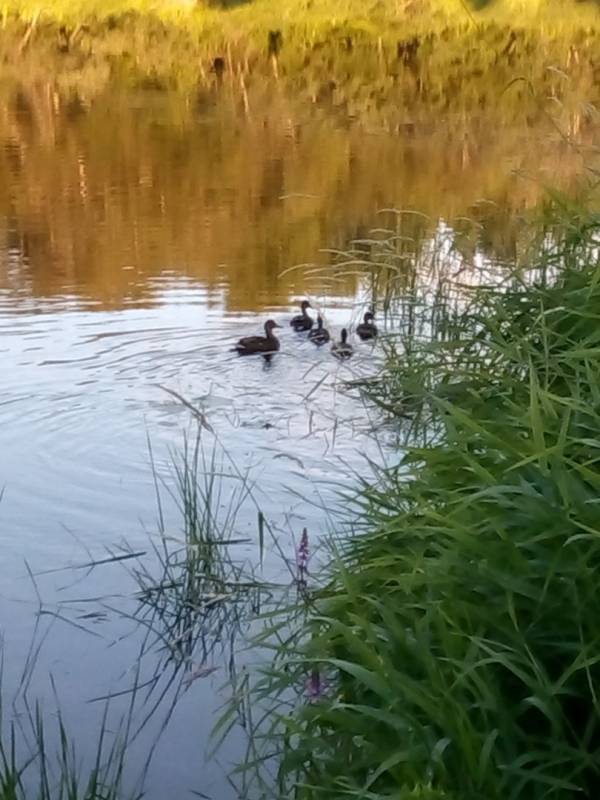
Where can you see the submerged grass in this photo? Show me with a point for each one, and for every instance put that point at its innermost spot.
(453, 650)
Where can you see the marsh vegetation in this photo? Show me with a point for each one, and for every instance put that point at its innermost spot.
(366, 578)
(452, 637)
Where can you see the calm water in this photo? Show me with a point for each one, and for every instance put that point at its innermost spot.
(139, 239)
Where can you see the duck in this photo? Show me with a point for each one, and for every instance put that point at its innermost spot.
(342, 349)
(367, 328)
(267, 344)
(302, 322)
(320, 335)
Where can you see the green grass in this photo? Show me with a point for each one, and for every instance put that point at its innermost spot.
(198, 593)
(374, 16)
(455, 636)
(40, 761)
(353, 55)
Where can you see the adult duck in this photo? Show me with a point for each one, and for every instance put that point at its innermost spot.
(367, 328)
(267, 344)
(319, 335)
(303, 321)
(342, 349)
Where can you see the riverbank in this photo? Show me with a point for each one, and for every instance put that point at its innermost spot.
(453, 651)
(354, 57)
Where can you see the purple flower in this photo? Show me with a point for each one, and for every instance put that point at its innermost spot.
(314, 686)
(302, 556)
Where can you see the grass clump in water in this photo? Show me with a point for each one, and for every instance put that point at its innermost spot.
(200, 590)
(42, 762)
(456, 646)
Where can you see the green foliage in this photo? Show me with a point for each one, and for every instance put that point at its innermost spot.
(354, 55)
(457, 637)
(41, 762)
(195, 596)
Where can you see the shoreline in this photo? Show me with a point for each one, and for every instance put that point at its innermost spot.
(398, 71)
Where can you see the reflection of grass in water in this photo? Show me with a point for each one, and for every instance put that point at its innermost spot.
(162, 178)
(404, 269)
(453, 652)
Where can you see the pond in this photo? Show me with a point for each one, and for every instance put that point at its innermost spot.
(140, 237)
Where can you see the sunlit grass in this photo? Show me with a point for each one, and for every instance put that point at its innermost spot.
(360, 58)
(368, 15)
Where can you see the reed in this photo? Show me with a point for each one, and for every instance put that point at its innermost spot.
(200, 589)
(450, 648)
(41, 761)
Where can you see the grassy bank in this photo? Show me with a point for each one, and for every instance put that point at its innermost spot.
(352, 55)
(454, 650)
(249, 17)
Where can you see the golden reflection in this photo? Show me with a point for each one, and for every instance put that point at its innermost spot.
(98, 202)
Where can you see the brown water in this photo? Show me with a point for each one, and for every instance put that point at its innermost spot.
(139, 238)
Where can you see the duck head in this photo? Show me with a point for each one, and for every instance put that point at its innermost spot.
(320, 322)
(305, 304)
(269, 325)
(369, 317)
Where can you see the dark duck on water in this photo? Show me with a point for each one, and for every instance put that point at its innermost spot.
(319, 335)
(342, 349)
(367, 328)
(302, 322)
(267, 344)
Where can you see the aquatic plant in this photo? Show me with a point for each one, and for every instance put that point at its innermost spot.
(41, 761)
(458, 617)
(196, 595)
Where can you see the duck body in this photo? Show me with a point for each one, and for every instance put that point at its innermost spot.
(267, 344)
(342, 349)
(303, 321)
(319, 335)
(367, 328)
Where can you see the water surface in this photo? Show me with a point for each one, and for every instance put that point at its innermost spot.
(139, 239)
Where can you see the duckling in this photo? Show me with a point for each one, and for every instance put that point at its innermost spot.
(302, 322)
(320, 335)
(266, 344)
(367, 328)
(342, 349)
